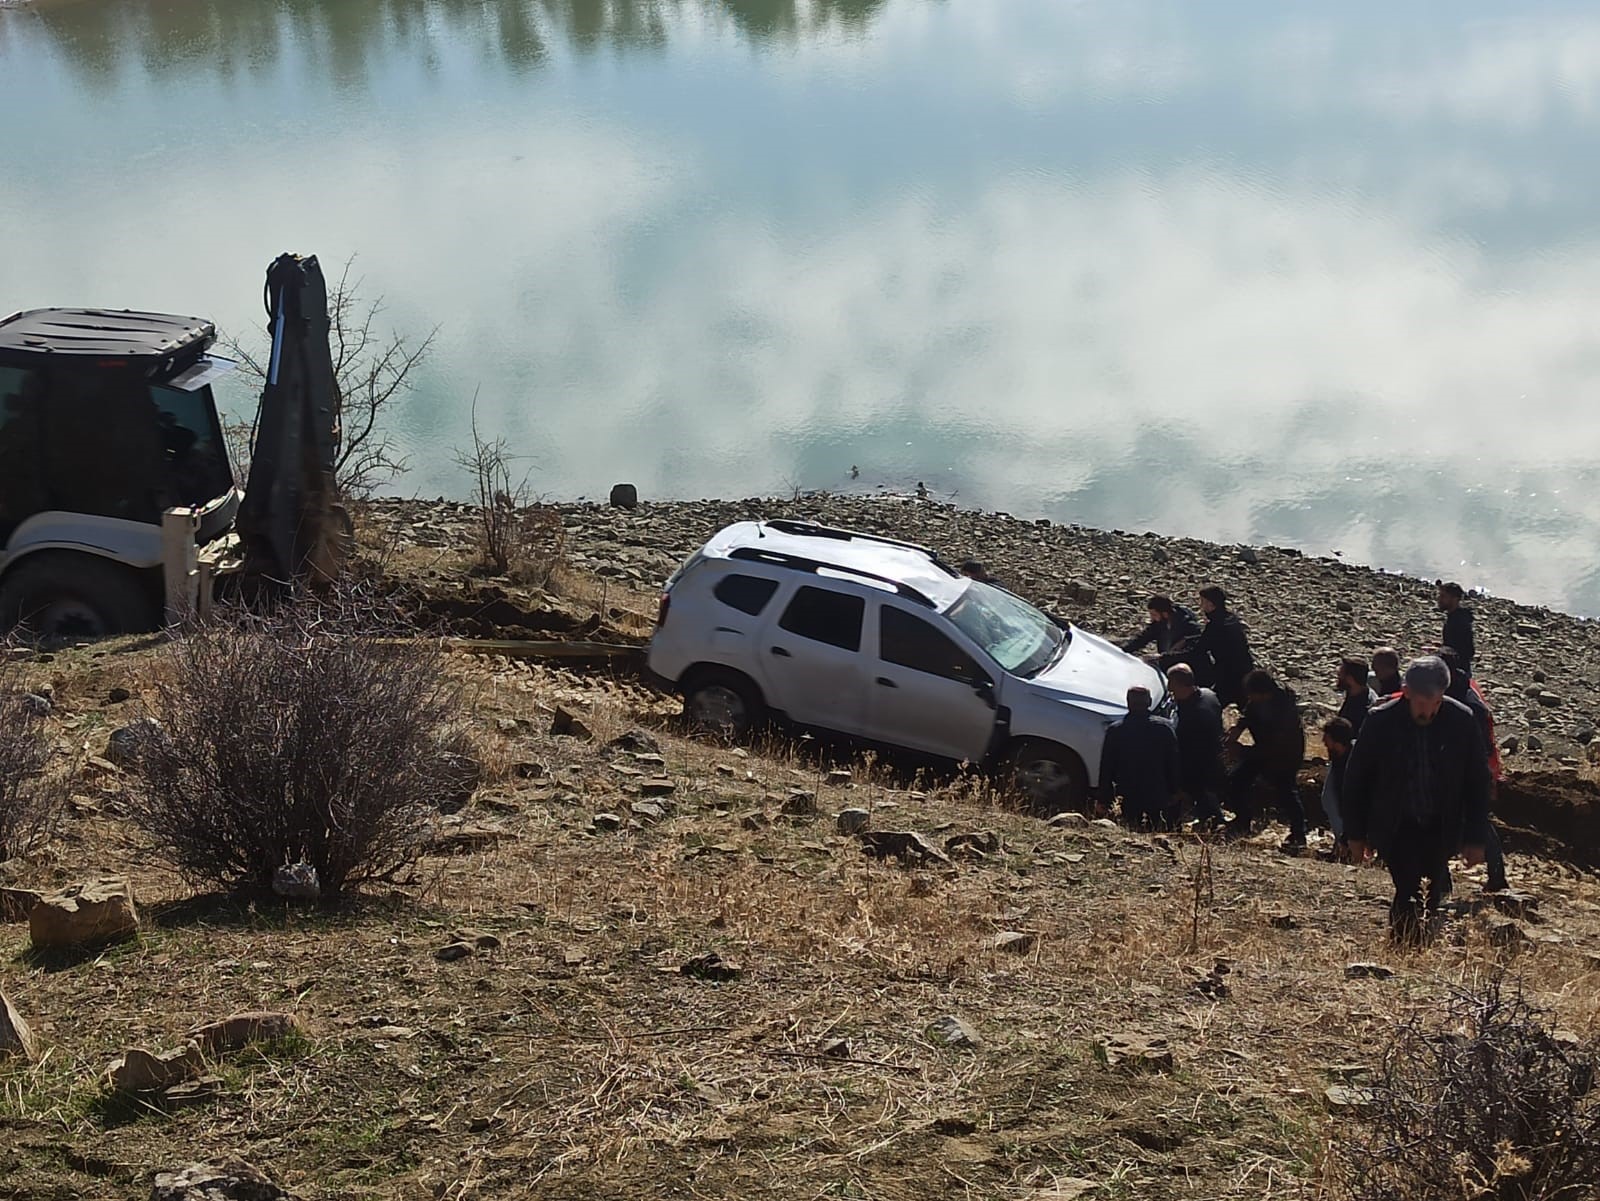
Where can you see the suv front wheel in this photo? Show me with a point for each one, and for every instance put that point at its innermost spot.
(722, 702)
(1050, 777)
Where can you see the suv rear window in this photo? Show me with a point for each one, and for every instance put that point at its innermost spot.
(746, 593)
(824, 616)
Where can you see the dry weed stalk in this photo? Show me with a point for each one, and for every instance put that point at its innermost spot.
(1203, 892)
(31, 799)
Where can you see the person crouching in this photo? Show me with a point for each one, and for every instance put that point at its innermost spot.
(1139, 762)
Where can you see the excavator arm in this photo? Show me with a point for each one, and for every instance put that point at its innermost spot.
(291, 525)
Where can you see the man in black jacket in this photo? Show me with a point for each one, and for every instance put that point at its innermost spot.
(1226, 645)
(1172, 628)
(1385, 678)
(1199, 724)
(1416, 790)
(1139, 760)
(1457, 625)
(1277, 749)
(1358, 697)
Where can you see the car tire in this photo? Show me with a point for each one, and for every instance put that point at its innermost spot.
(1051, 778)
(56, 596)
(723, 703)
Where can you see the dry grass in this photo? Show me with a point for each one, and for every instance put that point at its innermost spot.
(576, 1061)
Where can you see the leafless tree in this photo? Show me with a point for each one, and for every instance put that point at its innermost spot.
(502, 501)
(374, 368)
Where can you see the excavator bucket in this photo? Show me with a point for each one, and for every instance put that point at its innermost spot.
(291, 524)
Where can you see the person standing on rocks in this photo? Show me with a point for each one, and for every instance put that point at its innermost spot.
(975, 570)
(1358, 696)
(1416, 791)
(1385, 679)
(1199, 727)
(1277, 749)
(1225, 644)
(1457, 625)
(1139, 761)
(1338, 739)
(1172, 628)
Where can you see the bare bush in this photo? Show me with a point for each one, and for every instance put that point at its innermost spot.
(502, 500)
(374, 369)
(1491, 1107)
(30, 799)
(308, 736)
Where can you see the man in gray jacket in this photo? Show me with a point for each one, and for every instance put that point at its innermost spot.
(1416, 790)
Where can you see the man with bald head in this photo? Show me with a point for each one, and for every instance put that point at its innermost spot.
(1416, 790)
(1139, 763)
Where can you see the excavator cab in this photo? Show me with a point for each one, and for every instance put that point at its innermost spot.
(107, 422)
(118, 507)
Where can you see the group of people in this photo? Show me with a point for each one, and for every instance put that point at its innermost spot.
(1412, 762)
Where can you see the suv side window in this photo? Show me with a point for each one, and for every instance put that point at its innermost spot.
(824, 616)
(746, 593)
(909, 641)
(21, 447)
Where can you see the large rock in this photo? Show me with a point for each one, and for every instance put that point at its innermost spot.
(624, 496)
(91, 914)
(16, 903)
(240, 1030)
(1134, 1051)
(224, 1182)
(139, 1071)
(128, 744)
(16, 1040)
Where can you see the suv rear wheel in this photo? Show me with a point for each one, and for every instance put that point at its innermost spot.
(720, 701)
(1051, 778)
(62, 595)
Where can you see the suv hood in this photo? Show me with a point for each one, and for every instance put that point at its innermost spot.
(1096, 675)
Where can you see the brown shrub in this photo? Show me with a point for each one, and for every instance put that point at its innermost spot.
(30, 799)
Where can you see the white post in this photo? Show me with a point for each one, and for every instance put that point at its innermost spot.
(180, 564)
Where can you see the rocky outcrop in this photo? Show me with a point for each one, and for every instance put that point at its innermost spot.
(224, 1182)
(91, 914)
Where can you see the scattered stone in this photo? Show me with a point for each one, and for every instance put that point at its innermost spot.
(1133, 1051)
(755, 820)
(240, 1030)
(1505, 932)
(1284, 921)
(126, 746)
(138, 1071)
(1549, 700)
(228, 1182)
(528, 769)
(454, 950)
(91, 914)
(1105, 823)
(1062, 820)
(607, 821)
(16, 1039)
(457, 837)
(1535, 743)
(16, 903)
(710, 966)
(657, 787)
(838, 777)
(650, 759)
(800, 803)
(853, 821)
(624, 496)
(1529, 629)
(297, 882)
(1510, 744)
(650, 811)
(951, 1031)
(567, 724)
(193, 1093)
(35, 705)
(1249, 555)
(1367, 971)
(635, 742)
(838, 1048)
(973, 842)
(1515, 903)
(1015, 942)
(905, 845)
(1350, 1099)
(724, 769)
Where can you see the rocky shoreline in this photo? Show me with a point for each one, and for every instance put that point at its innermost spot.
(1540, 668)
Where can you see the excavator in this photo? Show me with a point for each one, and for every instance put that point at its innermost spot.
(119, 507)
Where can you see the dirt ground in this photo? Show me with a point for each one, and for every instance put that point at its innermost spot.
(572, 1055)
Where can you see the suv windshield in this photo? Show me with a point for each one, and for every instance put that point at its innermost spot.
(1016, 635)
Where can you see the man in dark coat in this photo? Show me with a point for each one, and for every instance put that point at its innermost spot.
(1139, 760)
(1172, 628)
(1226, 646)
(1358, 696)
(1277, 749)
(1385, 678)
(1462, 689)
(1199, 726)
(1416, 790)
(1338, 739)
(1457, 625)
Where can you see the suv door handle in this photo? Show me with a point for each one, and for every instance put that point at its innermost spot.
(887, 682)
(781, 653)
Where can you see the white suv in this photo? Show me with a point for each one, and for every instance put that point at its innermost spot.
(880, 640)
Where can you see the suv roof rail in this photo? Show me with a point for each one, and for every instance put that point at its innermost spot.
(778, 558)
(813, 529)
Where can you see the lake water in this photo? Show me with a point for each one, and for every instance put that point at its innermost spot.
(1311, 274)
